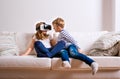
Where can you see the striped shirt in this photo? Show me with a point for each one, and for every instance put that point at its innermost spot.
(65, 36)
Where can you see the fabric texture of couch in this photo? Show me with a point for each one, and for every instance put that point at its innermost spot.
(30, 67)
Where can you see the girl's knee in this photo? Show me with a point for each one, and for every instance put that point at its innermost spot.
(37, 43)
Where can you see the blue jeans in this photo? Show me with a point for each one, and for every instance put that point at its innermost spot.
(64, 54)
(42, 51)
(73, 53)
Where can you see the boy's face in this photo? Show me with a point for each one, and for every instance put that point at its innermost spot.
(56, 28)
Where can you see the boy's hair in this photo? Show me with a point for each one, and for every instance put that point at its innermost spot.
(59, 22)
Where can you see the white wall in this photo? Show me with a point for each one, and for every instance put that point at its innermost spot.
(117, 15)
(79, 15)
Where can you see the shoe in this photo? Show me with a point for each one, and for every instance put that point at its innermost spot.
(94, 67)
(66, 64)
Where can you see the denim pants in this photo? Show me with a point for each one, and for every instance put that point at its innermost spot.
(42, 51)
(73, 53)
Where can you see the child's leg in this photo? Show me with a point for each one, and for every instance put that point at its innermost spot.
(64, 55)
(75, 54)
(65, 58)
(56, 49)
(39, 53)
(41, 50)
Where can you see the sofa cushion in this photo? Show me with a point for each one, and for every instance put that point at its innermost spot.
(106, 41)
(25, 62)
(86, 39)
(79, 65)
(8, 45)
(113, 51)
(23, 40)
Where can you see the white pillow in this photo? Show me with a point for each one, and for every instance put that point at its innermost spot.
(106, 41)
(8, 45)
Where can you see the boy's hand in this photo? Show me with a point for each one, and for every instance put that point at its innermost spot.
(53, 42)
(81, 51)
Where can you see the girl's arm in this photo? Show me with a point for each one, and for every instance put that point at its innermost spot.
(30, 48)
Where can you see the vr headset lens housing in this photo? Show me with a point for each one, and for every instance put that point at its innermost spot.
(44, 27)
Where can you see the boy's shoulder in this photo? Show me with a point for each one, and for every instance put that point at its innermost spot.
(64, 31)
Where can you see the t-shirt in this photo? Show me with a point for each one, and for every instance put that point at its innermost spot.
(46, 42)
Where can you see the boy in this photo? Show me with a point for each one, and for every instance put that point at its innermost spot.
(71, 45)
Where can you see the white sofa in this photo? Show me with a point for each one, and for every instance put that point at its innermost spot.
(31, 67)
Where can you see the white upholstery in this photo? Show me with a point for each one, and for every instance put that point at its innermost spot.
(109, 63)
(25, 62)
(86, 39)
(8, 46)
(31, 67)
(23, 40)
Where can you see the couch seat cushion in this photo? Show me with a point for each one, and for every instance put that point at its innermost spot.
(105, 62)
(25, 62)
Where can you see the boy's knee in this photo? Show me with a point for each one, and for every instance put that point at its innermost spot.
(72, 46)
(63, 51)
(62, 42)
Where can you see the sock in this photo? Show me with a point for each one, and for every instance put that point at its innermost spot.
(66, 64)
(94, 67)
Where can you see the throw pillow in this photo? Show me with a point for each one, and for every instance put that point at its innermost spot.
(106, 41)
(8, 45)
(114, 51)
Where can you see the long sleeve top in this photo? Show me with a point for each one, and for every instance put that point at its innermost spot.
(65, 36)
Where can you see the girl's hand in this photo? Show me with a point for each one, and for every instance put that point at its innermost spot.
(23, 54)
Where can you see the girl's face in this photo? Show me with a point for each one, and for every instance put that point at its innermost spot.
(44, 32)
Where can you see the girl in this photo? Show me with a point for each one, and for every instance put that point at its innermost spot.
(71, 45)
(45, 45)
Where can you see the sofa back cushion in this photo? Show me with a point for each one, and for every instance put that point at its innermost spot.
(23, 40)
(84, 39)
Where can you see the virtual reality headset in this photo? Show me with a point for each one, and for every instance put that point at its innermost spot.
(44, 27)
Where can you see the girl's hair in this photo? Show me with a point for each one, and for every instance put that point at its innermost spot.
(59, 22)
(39, 35)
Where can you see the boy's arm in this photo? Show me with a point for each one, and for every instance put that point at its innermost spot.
(69, 38)
(53, 42)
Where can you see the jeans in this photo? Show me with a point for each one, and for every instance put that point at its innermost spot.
(64, 54)
(42, 51)
(73, 53)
